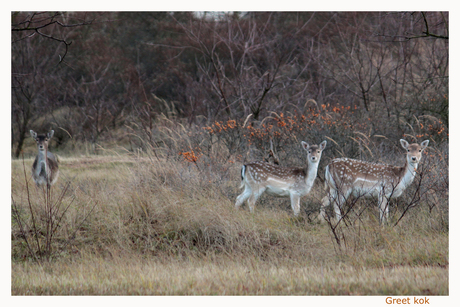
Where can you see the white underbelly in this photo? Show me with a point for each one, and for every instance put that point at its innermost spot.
(276, 191)
(362, 187)
(376, 189)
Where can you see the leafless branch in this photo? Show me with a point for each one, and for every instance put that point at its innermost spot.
(34, 23)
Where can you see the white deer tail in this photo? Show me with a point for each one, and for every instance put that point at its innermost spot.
(243, 174)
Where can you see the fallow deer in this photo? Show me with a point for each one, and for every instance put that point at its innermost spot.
(260, 177)
(45, 169)
(344, 177)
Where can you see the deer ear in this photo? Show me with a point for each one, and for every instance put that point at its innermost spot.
(50, 134)
(322, 145)
(425, 144)
(404, 143)
(33, 134)
(305, 145)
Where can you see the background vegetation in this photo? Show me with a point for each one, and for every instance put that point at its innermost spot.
(98, 77)
(154, 114)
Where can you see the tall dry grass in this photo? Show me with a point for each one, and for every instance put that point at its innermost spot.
(138, 224)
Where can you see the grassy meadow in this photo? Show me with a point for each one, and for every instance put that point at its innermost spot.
(126, 224)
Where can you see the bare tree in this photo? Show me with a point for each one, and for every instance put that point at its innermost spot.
(33, 54)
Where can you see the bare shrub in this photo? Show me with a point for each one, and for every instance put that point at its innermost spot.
(41, 222)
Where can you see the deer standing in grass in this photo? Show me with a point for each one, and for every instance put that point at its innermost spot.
(45, 168)
(260, 177)
(345, 176)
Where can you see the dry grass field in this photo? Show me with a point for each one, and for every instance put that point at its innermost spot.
(137, 225)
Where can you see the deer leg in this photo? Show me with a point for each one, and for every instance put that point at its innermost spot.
(243, 197)
(253, 198)
(383, 208)
(339, 199)
(322, 210)
(338, 213)
(295, 203)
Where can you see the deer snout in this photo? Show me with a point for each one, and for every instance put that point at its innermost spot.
(414, 159)
(314, 158)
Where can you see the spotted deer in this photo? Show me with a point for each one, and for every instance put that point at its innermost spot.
(260, 177)
(45, 169)
(344, 177)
